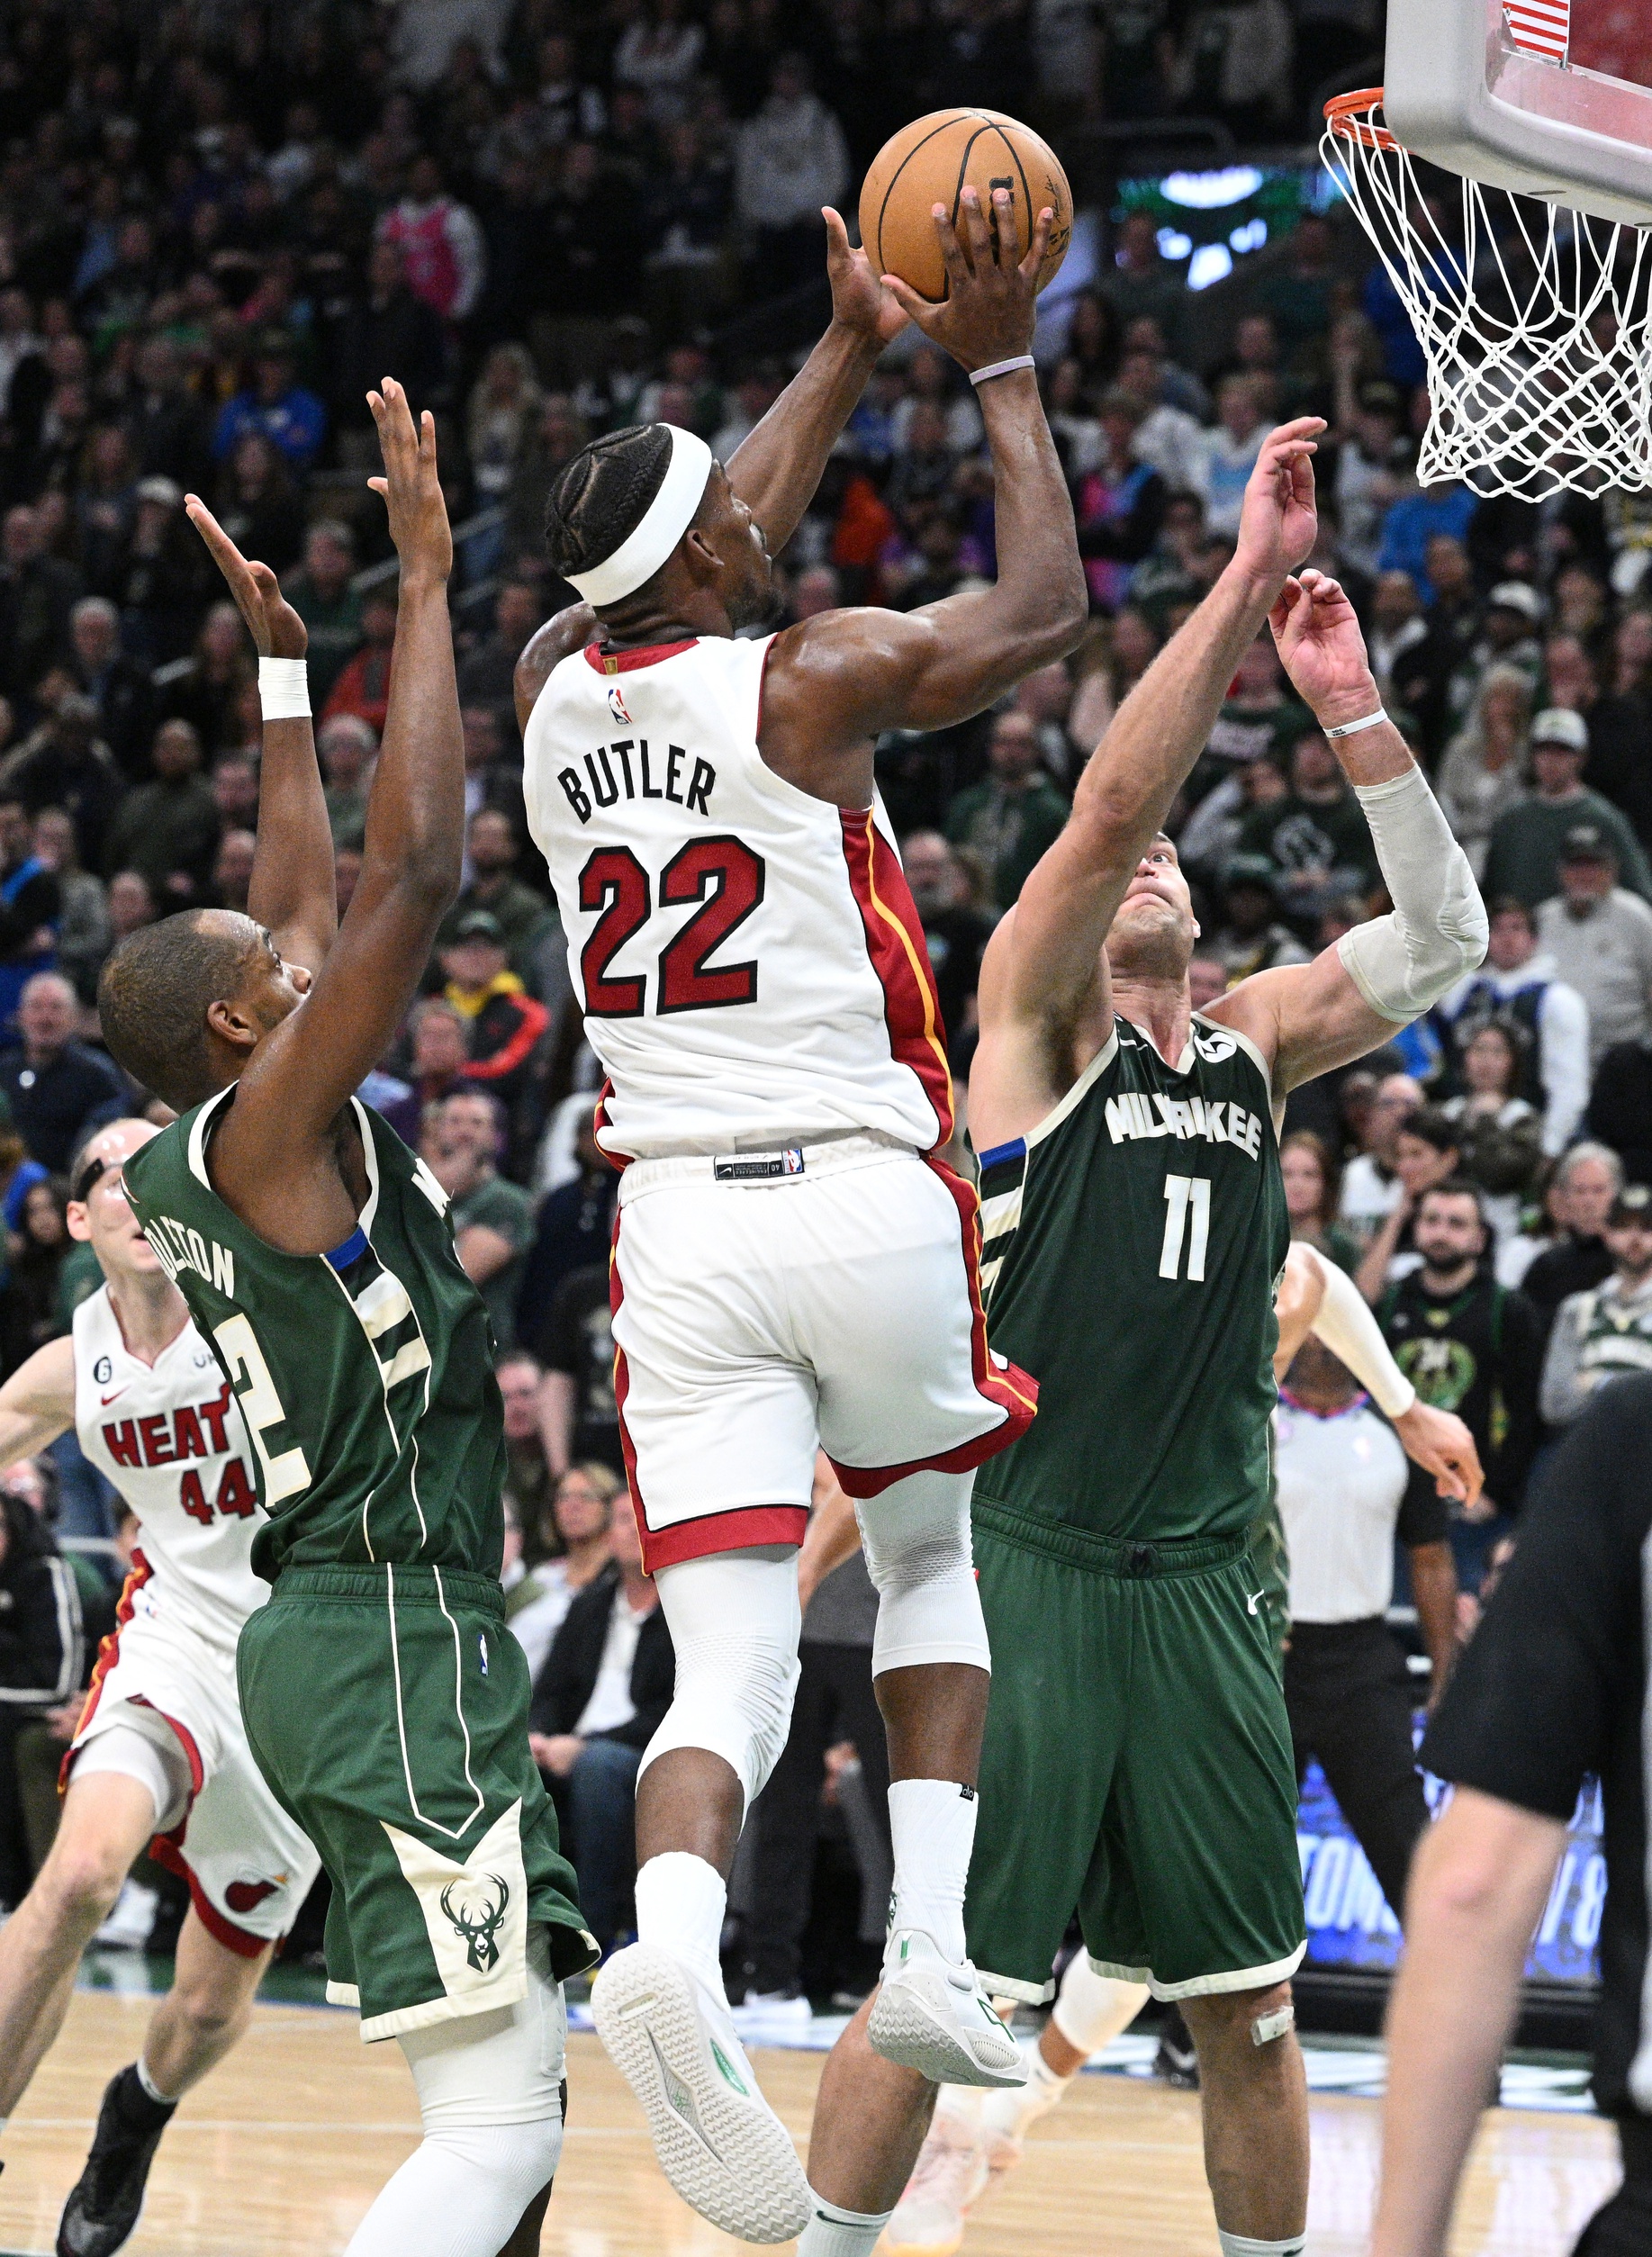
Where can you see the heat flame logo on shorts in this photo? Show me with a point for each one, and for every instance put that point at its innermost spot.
(478, 1927)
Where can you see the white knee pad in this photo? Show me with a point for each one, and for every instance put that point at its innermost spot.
(916, 1540)
(734, 1620)
(1091, 2010)
(503, 2067)
(489, 2093)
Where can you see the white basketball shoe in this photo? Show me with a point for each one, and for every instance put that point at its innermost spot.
(718, 2140)
(931, 2015)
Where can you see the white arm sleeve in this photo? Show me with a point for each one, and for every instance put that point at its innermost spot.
(1349, 1330)
(1405, 963)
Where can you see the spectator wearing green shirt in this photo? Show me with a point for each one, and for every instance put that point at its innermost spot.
(1010, 817)
(319, 591)
(1317, 837)
(493, 1218)
(1525, 851)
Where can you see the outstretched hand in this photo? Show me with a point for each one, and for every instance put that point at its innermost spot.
(859, 301)
(411, 487)
(1321, 649)
(274, 625)
(992, 299)
(1278, 523)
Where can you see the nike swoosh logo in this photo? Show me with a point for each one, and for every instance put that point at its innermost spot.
(1251, 1602)
(107, 1399)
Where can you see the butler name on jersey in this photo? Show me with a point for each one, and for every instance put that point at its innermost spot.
(750, 961)
(169, 1437)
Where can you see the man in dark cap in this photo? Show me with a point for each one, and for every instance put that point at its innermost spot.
(1524, 855)
(505, 1022)
(1598, 934)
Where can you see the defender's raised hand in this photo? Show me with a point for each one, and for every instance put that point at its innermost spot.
(1278, 523)
(411, 486)
(990, 302)
(859, 301)
(274, 625)
(1323, 650)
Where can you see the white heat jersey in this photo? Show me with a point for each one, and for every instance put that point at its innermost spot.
(750, 963)
(169, 1437)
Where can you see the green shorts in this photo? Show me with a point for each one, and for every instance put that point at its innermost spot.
(388, 1710)
(1137, 1765)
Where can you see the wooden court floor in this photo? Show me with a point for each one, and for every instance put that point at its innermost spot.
(278, 2153)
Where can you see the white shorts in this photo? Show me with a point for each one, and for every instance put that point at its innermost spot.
(249, 1866)
(834, 1298)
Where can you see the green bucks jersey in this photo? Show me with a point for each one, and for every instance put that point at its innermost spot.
(1132, 1244)
(365, 1375)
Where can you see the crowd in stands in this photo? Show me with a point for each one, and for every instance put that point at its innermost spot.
(220, 222)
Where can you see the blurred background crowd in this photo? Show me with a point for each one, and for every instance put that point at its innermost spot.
(220, 222)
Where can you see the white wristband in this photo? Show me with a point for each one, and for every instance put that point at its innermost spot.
(284, 689)
(1001, 368)
(1352, 728)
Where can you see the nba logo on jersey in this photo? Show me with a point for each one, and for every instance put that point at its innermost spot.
(616, 704)
(792, 1159)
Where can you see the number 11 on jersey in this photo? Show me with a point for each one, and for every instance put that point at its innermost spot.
(1184, 1195)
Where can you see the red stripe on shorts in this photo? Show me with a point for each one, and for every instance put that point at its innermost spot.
(711, 1532)
(108, 1653)
(1005, 1386)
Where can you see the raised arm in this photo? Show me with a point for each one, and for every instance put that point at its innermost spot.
(1307, 1018)
(834, 682)
(1043, 965)
(777, 467)
(36, 1402)
(292, 889)
(301, 1075)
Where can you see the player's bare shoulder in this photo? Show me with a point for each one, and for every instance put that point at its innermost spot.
(568, 631)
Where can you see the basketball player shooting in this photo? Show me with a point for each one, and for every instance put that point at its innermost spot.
(792, 1265)
(159, 1750)
(384, 1699)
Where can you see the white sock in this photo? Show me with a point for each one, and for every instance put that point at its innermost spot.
(161, 2099)
(1092, 2010)
(835, 2233)
(1009, 2112)
(681, 1902)
(1242, 2245)
(932, 1823)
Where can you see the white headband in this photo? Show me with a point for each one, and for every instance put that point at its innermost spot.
(667, 519)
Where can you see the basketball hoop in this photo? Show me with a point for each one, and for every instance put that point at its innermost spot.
(1535, 322)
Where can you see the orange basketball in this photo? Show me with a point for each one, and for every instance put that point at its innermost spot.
(932, 161)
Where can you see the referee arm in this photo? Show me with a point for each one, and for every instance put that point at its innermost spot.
(1548, 1691)
(1478, 1884)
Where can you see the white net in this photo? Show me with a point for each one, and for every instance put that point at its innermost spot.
(1535, 320)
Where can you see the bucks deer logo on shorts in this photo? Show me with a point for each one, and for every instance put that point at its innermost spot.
(476, 1921)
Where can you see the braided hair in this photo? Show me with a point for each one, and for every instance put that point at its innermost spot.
(600, 498)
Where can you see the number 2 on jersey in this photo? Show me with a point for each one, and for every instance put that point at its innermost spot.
(1185, 1195)
(722, 874)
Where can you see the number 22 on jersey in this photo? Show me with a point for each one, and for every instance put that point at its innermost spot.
(723, 875)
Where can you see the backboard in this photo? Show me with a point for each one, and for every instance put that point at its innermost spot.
(1550, 97)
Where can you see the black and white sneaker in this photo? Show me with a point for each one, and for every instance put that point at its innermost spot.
(1177, 2062)
(102, 2212)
